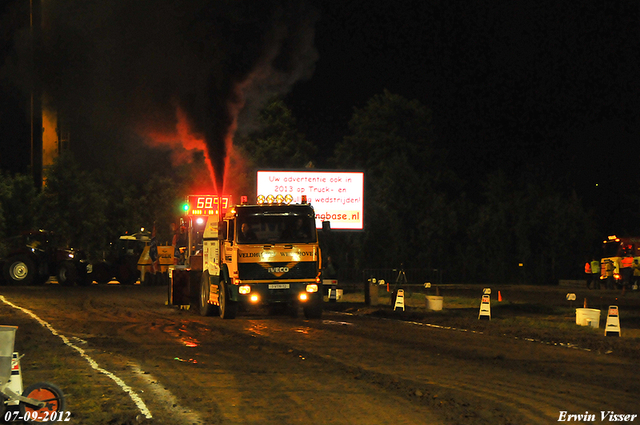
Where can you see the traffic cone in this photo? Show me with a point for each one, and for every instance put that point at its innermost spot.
(499, 297)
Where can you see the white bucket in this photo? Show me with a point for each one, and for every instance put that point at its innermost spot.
(434, 302)
(7, 340)
(588, 317)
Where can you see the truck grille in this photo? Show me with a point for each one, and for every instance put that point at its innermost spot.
(277, 271)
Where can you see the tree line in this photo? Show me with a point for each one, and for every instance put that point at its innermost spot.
(418, 212)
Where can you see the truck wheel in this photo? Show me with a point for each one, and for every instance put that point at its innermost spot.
(206, 309)
(313, 311)
(19, 271)
(67, 274)
(228, 309)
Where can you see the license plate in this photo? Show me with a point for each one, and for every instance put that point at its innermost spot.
(279, 286)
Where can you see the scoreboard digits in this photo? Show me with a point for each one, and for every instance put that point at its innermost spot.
(201, 205)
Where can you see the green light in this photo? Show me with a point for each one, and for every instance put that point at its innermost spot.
(185, 207)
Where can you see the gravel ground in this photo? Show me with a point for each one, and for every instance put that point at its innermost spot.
(358, 365)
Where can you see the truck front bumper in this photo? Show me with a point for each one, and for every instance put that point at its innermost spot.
(302, 293)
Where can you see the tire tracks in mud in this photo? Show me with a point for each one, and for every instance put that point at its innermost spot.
(94, 365)
(277, 399)
(451, 403)
(279, 365)
(515, 395)
(272, 405)
(458, 396)
(257, 381)
(125, 369)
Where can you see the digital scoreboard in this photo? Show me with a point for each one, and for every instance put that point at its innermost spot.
(204, 205)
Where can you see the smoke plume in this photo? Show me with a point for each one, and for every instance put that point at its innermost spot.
(192, 71)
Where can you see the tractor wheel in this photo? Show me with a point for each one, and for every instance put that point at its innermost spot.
(67, 273)
(20, 271)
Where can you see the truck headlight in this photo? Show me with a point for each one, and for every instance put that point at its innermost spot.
(244, 289)
(312, 287)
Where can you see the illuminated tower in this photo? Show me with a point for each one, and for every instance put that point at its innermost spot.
(48, 136)
(55, 137)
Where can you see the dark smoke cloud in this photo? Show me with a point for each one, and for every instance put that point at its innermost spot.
(111, 66)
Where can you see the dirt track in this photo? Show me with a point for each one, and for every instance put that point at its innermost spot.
(260, 369)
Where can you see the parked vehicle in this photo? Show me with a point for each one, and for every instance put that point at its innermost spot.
(33, 257)
(132, 258)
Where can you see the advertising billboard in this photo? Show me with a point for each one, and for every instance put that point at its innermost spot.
(336, 196)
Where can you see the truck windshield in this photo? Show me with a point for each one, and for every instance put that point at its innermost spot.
(271, 229)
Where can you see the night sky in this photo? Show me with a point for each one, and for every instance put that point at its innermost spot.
(547, 86)
(509, 83)
(543, 89)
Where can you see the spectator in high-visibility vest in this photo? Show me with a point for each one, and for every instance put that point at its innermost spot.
(626, 270)
(588, 274)
(595, 273)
